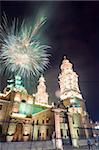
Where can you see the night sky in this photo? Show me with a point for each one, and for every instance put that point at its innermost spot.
(72, 29)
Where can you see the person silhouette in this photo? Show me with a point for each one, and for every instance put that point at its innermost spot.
(89, 143)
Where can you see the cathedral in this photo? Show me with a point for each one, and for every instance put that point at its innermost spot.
(25, 117)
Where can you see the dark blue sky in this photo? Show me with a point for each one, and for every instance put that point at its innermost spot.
(72, 29)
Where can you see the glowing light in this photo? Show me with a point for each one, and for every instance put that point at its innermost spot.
(17, 97)
(25, 108)
(72, 100)
(30, 100)
(21, 52)
(97, 127)
(15, 107)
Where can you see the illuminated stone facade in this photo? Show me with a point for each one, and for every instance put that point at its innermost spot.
(25, 117)
(68, 81)
(70, 96)
(41, 96)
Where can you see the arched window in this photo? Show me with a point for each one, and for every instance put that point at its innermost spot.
(47, 132)
(37, 122)
(0, 107)
(0, 129)
(42, 121)
(77, 132)
(18, 135)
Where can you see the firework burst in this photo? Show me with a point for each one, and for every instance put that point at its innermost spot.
(21, 53)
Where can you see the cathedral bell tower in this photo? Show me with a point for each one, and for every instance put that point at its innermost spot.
(68, 81)
(41, 96)
(71, 97)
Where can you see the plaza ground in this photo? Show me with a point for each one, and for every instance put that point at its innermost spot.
(31, 146)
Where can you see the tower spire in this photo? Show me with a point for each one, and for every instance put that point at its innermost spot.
(65, 57)
(41, 95)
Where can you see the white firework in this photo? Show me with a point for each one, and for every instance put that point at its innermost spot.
(20, 52)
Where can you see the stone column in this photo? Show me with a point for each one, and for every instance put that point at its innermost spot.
(85, 125)
(57, 129)
(73, 130)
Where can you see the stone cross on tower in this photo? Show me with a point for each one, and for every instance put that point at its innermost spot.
(41, 95)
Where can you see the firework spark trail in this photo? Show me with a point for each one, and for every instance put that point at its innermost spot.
(20, 52)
